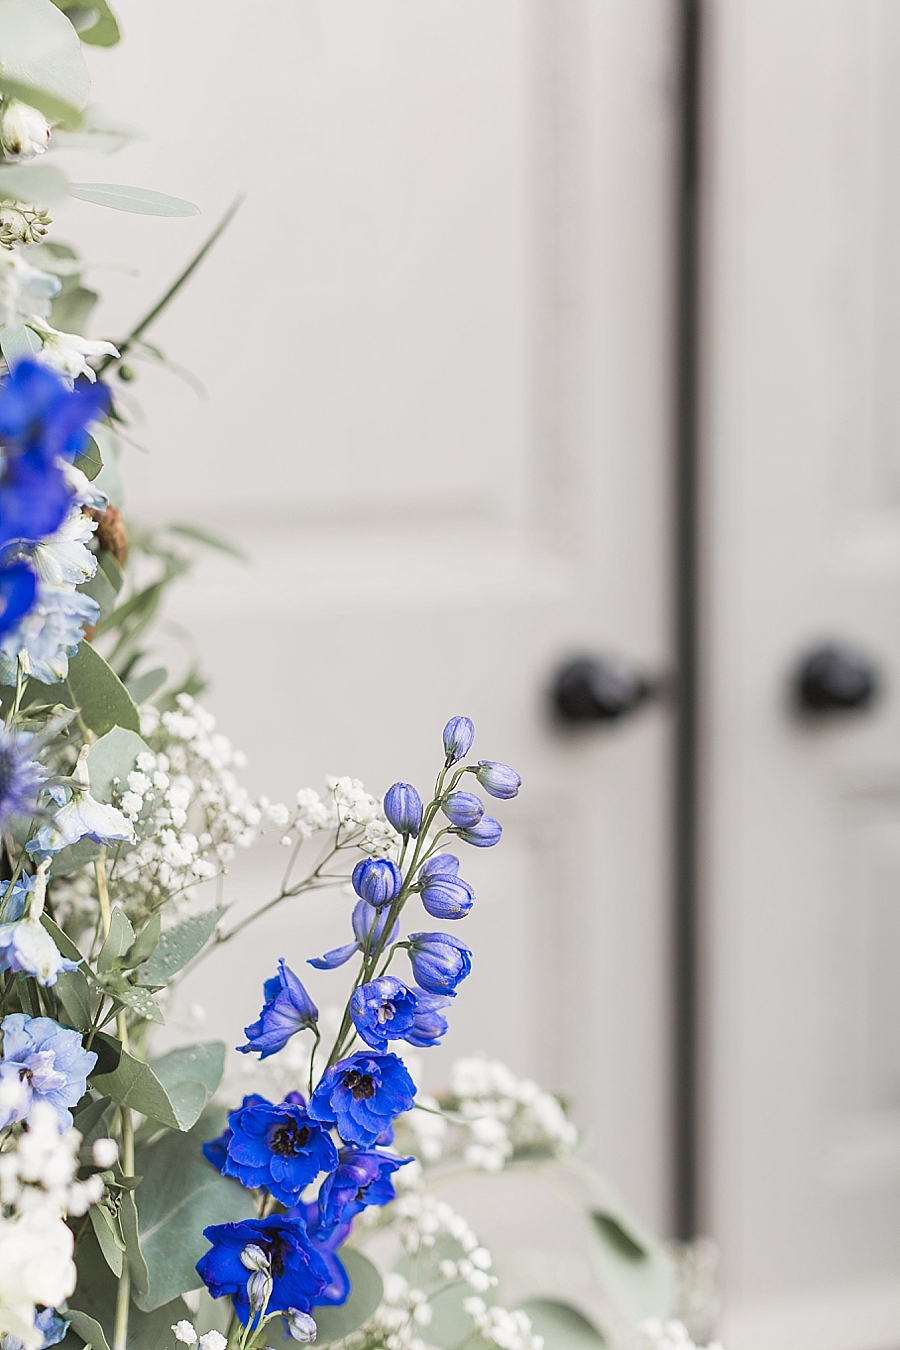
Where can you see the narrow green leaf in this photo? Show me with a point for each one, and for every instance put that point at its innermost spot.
(180, 1195)
(611, 1230)
(117, 943)
(62, 940)
(109, 1236)
(145, 686)
(141, 201)
(91, 462)
(144, 944)
(128, 1215)
(113, 757)
(562, 1326)
(179, 945)
(135, 1084)
(210, 540)
(113, 570)
(366, 1290)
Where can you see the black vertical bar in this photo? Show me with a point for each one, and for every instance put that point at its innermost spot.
(686, 543)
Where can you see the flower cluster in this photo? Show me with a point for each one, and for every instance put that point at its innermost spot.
(672, 1335)
(507, 1330)
(340, 1138)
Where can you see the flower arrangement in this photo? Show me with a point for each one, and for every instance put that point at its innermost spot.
(136, 1210)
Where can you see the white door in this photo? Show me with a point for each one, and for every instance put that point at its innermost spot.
(803, 546)
(435, 341)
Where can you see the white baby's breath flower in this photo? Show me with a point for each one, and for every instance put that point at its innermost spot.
(105, 1152)
(185, 1332)
(212, 1340)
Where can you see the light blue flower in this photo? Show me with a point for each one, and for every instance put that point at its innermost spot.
(464, 809)
(26, 948)
(498, 779)
(21, 777)
(47, 1321)
(377, 880)
(459, 733)
(48, 635)
(366, 920)
(14, 905)
(49, 1062)
(403, 808)
(485, 834)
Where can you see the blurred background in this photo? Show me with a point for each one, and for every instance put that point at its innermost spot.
(443, 344)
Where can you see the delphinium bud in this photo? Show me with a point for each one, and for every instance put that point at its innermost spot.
(24, 131)
(463, 809)
(498, 779)
(377, 880)
(259, 1290)
(484, 834)
(459, 733)
(439, 962)
(254, 1258)
(444, 894)
(403, 808)
(301, 1325)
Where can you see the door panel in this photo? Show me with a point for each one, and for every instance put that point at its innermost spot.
(436, 346)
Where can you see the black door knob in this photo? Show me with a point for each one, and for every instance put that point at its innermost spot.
(834, 678)
(598, 689)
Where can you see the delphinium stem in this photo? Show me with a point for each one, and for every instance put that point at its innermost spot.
(123, 1294)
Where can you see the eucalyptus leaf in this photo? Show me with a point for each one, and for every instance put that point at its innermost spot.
(89, 1330)
(366, 1290)
(17, 343)
(73, 857)
(144, 944)
(203, 1063)
(99, 130)
(128, 1216)
(141, 201)
(91, 462)
(117, 941)
(179, 945)
(133, 1083)
(113, 568)
(108, 1233)
(92, 687)
(62, 940)
(42, 184)
(562, 1326)
(210, 540)
(41, 50)
(145, 686)
(93, 21)
(95, 1296)
(71, 310)
(180, 1195)
(145, 1005)
(113, 757)
(74, 993)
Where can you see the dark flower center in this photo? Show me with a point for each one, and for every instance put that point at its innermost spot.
(360, 1084)
(385, 1013)
(275, 1249)
(7, 773)
(289, 1139)
(25, 1073)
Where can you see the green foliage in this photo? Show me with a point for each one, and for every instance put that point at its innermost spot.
(141, 201)
(108, 1232)
(190, 1076)
(143, 687)
(19, 342)
(133, 1083)
(365, 1295)
(92, 687)
(95, 22)
(562, 1326)
(180, 1195)
(42, 56)
(91, 462)
(74, 993)
(113, 757)
(179, 945)
(92, 1307)
(118, 940)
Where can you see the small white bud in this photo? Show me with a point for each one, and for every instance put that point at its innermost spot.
(105, 1153)
(259, 1289)
(24, 132)
(184, 1332)
(286, 841)
(301, 1326)
(254, 1258)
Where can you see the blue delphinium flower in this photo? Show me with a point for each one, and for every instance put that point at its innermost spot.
(288, 1008)
(277, 1148)
(498, 779)
(39, 412)
(26, 948)
(366, 920)
(21, 777)
(377, 880)
(49, 1323)
(428, 1025)
(362, 1095)
(383, 1010)
(296, 1269)
(15, 903)
(485, 834)
(327, 1245)
(362, 1178)
(459, 733)
(463, 809)
(48, 1060)
(439, 962)
(215, 1151)
(18, 588)
(48, 635)
(444, 894)
(403, 808)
